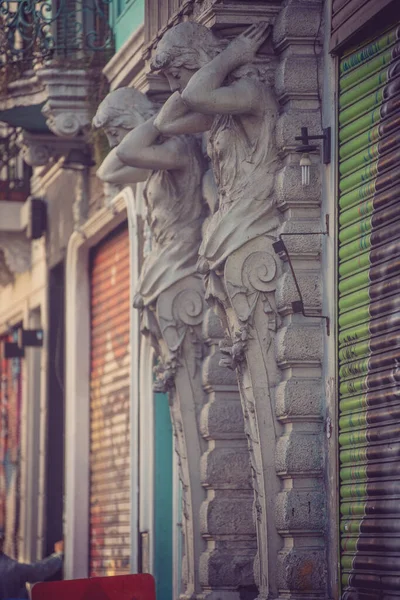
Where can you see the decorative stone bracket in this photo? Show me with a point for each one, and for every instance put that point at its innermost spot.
(219, 534)
(67, 107)
(40, 149)
(245, 297)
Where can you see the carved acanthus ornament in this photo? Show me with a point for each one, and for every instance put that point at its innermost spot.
(176, 319)
(250, 277)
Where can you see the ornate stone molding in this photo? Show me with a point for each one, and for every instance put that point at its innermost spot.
(174, 324)
(64, 92)
(244, 294)
(301, 505)
(67, 106)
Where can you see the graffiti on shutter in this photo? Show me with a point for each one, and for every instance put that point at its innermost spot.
(10, 448)
(369, 319)
(109, 405)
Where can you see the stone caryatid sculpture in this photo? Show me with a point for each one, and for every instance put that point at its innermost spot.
(173, 170)
(225, 90)
(220, 91)
(170, 292)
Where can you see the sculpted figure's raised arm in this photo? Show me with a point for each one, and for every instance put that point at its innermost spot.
(119, 113)
(224, 89)
(172, 168)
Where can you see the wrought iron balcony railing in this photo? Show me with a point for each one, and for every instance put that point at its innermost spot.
(35, 31)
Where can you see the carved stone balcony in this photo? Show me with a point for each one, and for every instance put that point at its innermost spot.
(51, 55)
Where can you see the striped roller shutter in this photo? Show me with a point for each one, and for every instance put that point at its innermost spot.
(109, 405)
(369, 319)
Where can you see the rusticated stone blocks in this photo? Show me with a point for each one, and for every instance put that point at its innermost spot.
(226, 518)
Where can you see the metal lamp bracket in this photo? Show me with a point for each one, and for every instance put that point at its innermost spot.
(305, 145)
(283, 253)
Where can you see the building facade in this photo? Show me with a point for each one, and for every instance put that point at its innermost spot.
(199, 365)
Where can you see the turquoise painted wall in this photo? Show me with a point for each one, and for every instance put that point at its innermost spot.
(163, 508)
(127, 15)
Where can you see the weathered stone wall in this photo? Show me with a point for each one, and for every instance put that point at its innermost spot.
(301, 503)
(226, 567)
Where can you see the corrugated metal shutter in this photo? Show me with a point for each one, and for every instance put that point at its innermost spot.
(109, 404)
(369, 319)
(349, 16)
(10, 448)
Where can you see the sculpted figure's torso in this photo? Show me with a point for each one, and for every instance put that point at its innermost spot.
(174, 200)
(175, 214)
(243, 155)
(172, 169)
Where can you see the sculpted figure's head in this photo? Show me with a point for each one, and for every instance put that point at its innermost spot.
(120, 112)
(183, 50)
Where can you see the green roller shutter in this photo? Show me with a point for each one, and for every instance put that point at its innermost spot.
(369, 319)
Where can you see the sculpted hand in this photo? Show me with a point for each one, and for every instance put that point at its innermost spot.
(173, 108)
(247, 43)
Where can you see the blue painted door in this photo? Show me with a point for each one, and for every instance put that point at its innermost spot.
(163, 506)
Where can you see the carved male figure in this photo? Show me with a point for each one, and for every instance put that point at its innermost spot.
(172, 168)
(219, 88)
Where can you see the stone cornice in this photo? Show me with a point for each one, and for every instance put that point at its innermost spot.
(234, 15)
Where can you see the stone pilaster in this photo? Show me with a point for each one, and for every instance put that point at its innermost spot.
(278, 354)
(300, 509)
(226, 566)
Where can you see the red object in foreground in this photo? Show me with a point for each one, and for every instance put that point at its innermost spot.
(121, 587)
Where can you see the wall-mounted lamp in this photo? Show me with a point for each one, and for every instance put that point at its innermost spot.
(305, 148)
